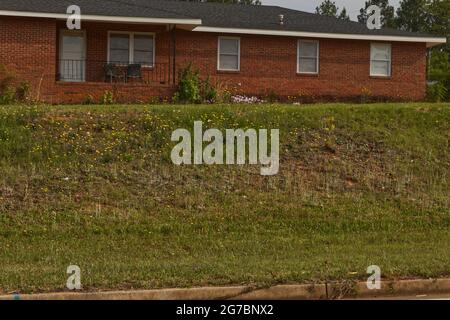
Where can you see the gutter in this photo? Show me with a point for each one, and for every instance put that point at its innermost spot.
(85, 17)
(430, 41)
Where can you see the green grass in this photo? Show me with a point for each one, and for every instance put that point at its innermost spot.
(94, 186)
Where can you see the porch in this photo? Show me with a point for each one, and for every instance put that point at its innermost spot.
(117, 54)
(114, 72)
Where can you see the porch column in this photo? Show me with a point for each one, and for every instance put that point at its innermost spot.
(174, 53)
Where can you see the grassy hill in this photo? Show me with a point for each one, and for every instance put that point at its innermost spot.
(94, 186)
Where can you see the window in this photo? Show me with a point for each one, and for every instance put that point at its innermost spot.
(308, 57)
(380, 59)
(130, 47)
(229, 54)
(143, 49)
(119, 48)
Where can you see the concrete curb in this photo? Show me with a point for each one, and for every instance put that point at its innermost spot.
(335, 290)
(404, 287)
(286, 292)
(205, 293)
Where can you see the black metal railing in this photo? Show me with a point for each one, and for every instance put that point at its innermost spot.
(113, 72)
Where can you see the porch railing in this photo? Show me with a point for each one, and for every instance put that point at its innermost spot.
(113, 72)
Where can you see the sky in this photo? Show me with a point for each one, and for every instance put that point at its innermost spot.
(352, 6)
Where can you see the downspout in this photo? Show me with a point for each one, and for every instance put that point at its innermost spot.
(167, 72)
(174, 53)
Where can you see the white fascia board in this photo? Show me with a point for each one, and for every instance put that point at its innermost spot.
(85, 17)
(429, 41)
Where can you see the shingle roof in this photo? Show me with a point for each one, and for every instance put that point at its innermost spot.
(212, 15)
(122, 8)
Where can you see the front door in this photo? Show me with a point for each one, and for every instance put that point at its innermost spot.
(72, 65)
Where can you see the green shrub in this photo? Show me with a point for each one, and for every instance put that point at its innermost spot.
(209, 92)
(439, 73)
(437, 92)
(23, 91)
(188, 90)
(10, 90)
(8, 95)
(108, 98)
(191, 89)
(7, 89)
(366, 95)
(89, 100)
(225, 96)
(270, 96)
(223, 93)
(6, 81)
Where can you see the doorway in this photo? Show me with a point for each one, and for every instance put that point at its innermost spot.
(72, 55)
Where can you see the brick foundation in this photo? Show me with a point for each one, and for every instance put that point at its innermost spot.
(74, 93)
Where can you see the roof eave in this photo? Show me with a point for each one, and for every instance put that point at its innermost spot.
(99, 18)
(428, 40)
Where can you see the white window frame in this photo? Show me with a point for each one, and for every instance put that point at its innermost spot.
(390, 60)
(131, 45)
(239, 53)
(317, 56)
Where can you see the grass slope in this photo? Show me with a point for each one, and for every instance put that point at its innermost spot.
(94, 186)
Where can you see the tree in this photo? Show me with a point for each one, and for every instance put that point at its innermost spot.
(255, 2)
(440, 17)
(329, 8)
(413, 15)
(387, 12)
(439, 64)
(439, 11)
(344, 15)
(440, 24)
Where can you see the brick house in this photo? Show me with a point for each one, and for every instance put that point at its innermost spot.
(135, 48)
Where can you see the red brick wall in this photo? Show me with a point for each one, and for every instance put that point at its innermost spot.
(268, 63)
(27, 49)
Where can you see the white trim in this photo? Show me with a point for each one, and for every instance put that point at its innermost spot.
(131, 45)
(317, 56)
(429, 41)
(390, 61)
(100, 18)
(239, 53)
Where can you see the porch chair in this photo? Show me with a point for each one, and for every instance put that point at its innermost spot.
(113, 72)
(134, 71)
